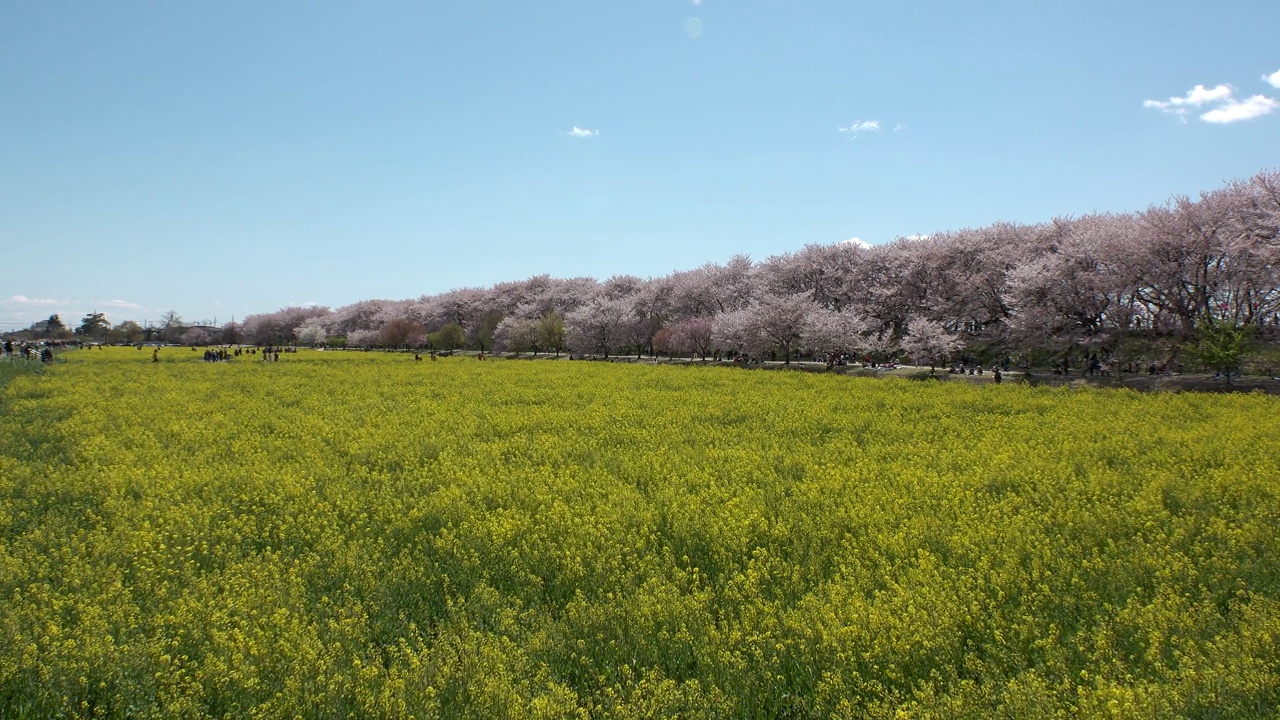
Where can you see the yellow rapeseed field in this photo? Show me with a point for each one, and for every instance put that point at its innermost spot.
(361, 535)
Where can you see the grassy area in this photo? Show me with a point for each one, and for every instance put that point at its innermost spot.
(360, 534)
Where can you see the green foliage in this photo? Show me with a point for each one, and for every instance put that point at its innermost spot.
(551, 332)
(448, 338)
(126, 332)
(94, 325)
(360, 535)
(51, 328)
(481, 335)
(1221, 346)
(1262, 359)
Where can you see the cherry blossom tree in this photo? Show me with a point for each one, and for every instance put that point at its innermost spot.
(597, 327)
(362, 338)
(1070, 294)
(311, 333)
(636, 333)
(363, 315)
(927, 340)
(195, 336)
(402, 333)
(733, 285)
(691, 293)
(517, 335)
(819, 271)
(782, 321)
(544, 295)
(828, 331)
(1179, 259)
(231, 333)
(1252, 287)
(398, 310)
(959, 278)
(463, 307)
(736, 330)
(277, 328)
(772, 323)
(620, 286)
(691, 335)
(652, 301)
(505, 297)
(1095, 282)
(878, 289)
(713, 289)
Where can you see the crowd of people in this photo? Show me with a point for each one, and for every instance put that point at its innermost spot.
(42, 351)
(226, 353)
(223, 354)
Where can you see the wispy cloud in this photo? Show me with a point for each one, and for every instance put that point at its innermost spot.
(1222, 107)
(1273, 79)
(1196, 97)
(861, 126)
(899, 127)
(124, 304)
(21, 310)
(582, 132)
(1237, 110)
(24, 300)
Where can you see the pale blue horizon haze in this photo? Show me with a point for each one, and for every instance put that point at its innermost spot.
(221, 159)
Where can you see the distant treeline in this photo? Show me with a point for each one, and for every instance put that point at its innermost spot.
(1142, 285)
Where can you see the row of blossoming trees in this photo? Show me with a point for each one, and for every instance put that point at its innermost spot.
(1092, 284)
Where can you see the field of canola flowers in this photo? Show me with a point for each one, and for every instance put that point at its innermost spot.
(360, 535)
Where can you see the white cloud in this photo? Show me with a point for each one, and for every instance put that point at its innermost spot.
(118, 304)
(860, 126)
(24, 300)
(1200, 95)
(916, 236)
(858, 242)
(1273, 78)
(1224, 108)
(1197, 96)
(582, 132)
(1235, 111)
(899, 127)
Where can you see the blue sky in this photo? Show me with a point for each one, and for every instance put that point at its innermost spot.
(225, 158)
